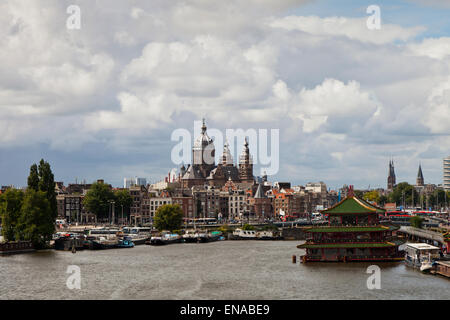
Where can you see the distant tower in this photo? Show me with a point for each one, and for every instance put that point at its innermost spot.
(246, 165)
(227, 159)
(203, 151)
(419, 180)
(391, 176)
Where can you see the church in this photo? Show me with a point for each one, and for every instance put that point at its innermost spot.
(203, 170)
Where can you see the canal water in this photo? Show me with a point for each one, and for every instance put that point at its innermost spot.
(219, 270)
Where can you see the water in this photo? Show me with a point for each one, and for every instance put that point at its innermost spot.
(219, 270)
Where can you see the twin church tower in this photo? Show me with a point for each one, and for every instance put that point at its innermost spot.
(391, 181)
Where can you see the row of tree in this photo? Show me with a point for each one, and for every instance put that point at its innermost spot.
(30, 215)
(99, 199)
(407, 195)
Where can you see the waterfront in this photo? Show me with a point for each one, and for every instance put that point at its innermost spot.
(218, 270)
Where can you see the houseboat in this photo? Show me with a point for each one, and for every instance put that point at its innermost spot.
(240, 234)
(190, 236)
(16, 247)
(164, 238)
(353, 233)
(442, 268)
(139, 235)
(421, 256)
(69, 242)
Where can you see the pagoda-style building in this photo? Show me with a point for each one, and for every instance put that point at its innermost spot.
(353, 233)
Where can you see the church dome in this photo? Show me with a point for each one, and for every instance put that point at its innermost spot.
(203, 140)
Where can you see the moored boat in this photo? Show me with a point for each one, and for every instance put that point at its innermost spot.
(126, 242)
(69, 242)
(421, 256)
(164, 238)
(190, 236)
(102, 244)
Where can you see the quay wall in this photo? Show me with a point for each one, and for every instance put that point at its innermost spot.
(295, 233)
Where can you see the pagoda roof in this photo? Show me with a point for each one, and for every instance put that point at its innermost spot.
(353, 205)
(351, 228)
(347, 245)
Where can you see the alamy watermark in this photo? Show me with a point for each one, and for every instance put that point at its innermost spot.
(74, 20)
(264, 151)
(374, 21)
(74, 280)
(374, 281)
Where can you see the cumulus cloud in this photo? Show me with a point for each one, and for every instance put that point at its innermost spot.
(334, 104)
(135, 72)
(352, 28)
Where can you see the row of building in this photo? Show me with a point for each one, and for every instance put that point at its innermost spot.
(226, 191)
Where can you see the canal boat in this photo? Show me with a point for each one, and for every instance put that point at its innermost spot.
(190, 236)
(421, 256)
(216, 236)
(268, 235)
(164, 238)
(102, 243)
(203, 236)
(240, 234)
(16, 247)
(139, 235)
(69, 242)
(126, 242)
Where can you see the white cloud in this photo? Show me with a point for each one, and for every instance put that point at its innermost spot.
(334, 88)
(333, 103)
(352, 28)
(437, 109)
(436, 48)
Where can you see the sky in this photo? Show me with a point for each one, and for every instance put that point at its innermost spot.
(102, 101)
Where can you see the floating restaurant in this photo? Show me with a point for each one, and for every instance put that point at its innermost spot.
(353, 233)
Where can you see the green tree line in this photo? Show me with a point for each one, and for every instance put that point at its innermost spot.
(99, 198)
(30, 215)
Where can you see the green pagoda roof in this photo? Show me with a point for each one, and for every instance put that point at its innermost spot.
(353, 205)
(346, 245)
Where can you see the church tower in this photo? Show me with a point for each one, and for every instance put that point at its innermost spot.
(227, 159)
(246, 165)
(391, 177)
(419, 180)
(203, 154)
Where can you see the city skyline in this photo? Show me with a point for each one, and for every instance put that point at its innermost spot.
(344, 97)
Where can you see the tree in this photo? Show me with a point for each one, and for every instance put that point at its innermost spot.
(372, 196)
(358, 193)
(123, 198)
(47, 185)
(382, 201)
(248, 227)
(10, 211)
(33, 178)
(403, 194)
(36, 222)
(41, 178)
(168, 217)
(416, 222)
(97, 200)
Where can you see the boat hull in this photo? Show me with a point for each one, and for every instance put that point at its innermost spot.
(67, 244)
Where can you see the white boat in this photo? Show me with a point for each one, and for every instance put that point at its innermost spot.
(421, 255)
(139, 235)
(190, 236)
(244, 234)
(241, 234)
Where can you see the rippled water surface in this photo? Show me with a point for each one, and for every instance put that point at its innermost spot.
(219, 270)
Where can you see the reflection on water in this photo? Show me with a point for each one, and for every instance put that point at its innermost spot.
(220, 270)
